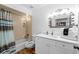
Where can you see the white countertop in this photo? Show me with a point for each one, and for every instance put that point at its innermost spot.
(57, 38)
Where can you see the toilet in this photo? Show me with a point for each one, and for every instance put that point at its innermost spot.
(30, 43)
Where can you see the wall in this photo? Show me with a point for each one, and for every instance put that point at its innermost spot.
(40, 17)
(19, 31)
(22, 26)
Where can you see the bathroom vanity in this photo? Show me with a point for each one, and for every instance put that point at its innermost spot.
(58, 41)
(46, 44)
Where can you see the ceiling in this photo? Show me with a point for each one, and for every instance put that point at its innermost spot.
(33, 5)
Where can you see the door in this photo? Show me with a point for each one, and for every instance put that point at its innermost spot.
(42, 46)
(65, 48)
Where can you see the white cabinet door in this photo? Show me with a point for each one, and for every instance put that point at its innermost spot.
(41, 46)
(65, 48)
(53, 48)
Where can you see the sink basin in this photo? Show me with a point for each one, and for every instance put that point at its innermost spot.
(51, 35)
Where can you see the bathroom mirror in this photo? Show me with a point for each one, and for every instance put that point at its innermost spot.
(61, 18)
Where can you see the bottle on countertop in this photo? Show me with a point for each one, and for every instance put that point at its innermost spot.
(47, 33)
(51, 33)
(65, 31)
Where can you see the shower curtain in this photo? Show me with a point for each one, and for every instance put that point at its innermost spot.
(6, 30)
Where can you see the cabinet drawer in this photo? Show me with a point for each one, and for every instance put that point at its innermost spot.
(42, 46)
(65, 48)
(64, 45)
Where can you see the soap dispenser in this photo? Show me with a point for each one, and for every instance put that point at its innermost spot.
(65, 31)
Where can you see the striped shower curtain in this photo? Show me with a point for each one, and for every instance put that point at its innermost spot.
(6, 30)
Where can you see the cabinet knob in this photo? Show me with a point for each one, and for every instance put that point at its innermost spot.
(48, 45)
(63, 45)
